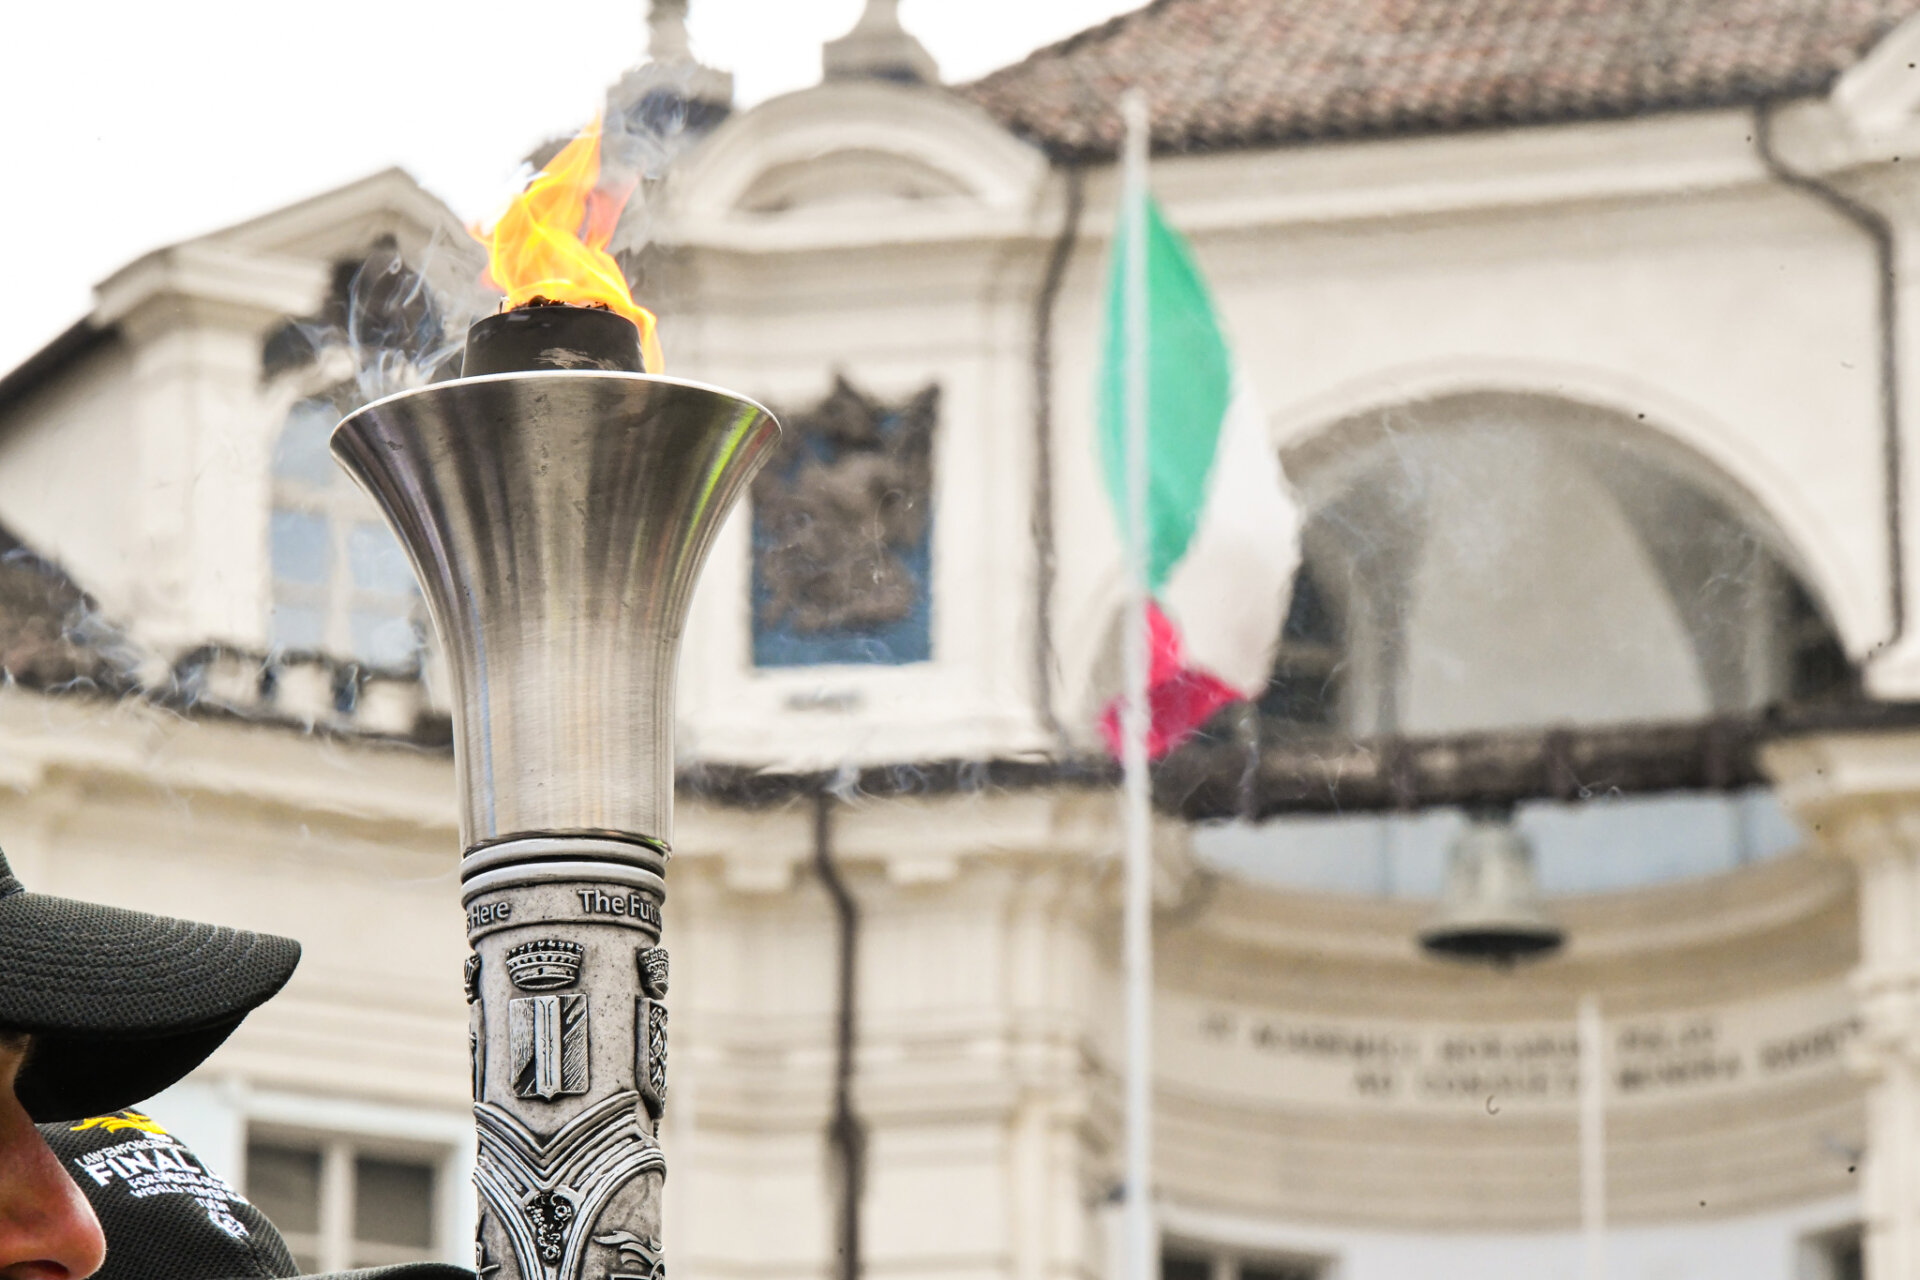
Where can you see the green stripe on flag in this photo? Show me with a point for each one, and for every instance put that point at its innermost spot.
(1189, 381)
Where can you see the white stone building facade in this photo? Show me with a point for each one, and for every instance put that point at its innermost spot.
(1601, 421)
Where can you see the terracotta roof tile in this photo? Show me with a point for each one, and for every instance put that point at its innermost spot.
(1237, 73)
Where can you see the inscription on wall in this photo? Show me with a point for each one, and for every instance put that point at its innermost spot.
(1647, 1059)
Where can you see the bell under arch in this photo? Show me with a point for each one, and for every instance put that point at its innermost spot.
(1517, 564)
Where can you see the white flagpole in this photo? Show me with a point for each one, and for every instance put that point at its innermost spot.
(1593, 1140)
(1141, 1255)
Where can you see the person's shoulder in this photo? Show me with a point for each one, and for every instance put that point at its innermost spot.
(165, 1215)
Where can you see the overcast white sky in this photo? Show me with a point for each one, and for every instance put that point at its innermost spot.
(129, 124)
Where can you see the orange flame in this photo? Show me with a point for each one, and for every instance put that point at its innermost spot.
(552, 241)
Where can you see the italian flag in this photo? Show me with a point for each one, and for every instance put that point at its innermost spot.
(1223, 533)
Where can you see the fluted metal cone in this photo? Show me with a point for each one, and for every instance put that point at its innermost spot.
(557, 522)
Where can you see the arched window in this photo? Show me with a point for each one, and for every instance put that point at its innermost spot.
(1514, 564)
(341, 584)
(1500, 561)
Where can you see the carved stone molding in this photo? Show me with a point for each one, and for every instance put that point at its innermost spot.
(1856, 793)
(842, 516)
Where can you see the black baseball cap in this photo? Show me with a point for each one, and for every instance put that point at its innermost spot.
(165, 1217)
(120, 1004)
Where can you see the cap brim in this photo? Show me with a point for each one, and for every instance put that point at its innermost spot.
(120, 1003)
(73, 1077)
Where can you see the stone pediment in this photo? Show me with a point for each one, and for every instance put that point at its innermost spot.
(339, 225)
(850, 176)
(852, 149)
(334, 220)
(257, 272)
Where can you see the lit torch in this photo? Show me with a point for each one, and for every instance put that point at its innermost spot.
(557, 501)
(550, 246)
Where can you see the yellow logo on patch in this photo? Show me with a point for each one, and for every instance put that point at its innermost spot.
(118, 1121)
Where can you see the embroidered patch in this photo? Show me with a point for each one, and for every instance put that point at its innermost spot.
(120, 1120)
(161, 1165)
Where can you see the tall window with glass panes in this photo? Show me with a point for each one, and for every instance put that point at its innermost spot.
(1200, 1262)
(341, 584)
(340, 1203)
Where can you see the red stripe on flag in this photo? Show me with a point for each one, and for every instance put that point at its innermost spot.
(1180, 698)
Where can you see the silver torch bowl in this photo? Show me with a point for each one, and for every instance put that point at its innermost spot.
(557, 521)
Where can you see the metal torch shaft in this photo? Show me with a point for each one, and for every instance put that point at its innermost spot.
(557, 522)
(568, 1029)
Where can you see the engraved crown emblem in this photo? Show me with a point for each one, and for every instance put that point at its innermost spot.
(545, 964)
(653, 971)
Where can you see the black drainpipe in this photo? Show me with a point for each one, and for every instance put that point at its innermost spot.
(1880, 231)
(1043, 545)
(846, 1136)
